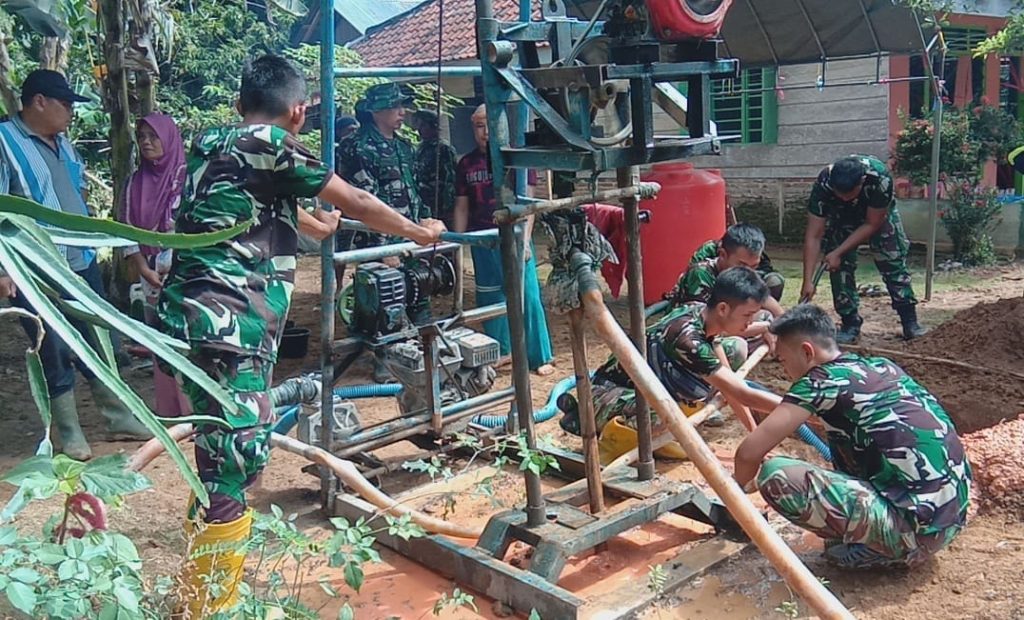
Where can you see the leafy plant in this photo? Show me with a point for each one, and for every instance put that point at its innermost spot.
(656, 579)
(30, 258)
(76, 568)
(789, 609)
(972, 215)
(959, 156)
(285, 554)
(456, 600)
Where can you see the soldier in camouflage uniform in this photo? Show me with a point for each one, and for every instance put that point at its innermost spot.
(229, 302)
(852, 203)
(376, 159)
(900, 486)
(693, 351)
(742, 245)
(712, 248)
(435, 168)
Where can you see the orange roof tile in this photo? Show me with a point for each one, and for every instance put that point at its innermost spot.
(410, 40)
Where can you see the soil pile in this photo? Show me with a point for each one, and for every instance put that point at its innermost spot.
(989, 335)
(995, 455)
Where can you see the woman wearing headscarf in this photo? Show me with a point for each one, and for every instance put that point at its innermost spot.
(150, 201)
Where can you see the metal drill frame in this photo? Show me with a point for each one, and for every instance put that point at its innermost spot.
(555, 525)
(437, 419)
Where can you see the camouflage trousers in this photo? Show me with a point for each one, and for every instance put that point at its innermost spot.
(229, 460)
(889, 248)
(612, 400)
(837, 506)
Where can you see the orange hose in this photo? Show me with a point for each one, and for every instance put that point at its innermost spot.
(345, 470)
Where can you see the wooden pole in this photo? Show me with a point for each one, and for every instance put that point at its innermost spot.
(115, 90)
(800, 579)
(588, 423)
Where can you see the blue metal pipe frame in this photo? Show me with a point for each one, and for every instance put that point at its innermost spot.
(328, 286)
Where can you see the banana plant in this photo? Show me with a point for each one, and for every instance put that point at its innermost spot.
(29, 256)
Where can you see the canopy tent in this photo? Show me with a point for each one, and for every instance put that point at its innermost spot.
(786, 32)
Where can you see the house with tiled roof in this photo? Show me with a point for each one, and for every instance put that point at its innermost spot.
(411, 40)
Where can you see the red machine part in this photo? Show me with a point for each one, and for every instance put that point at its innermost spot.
(689, 210)
(679, 20)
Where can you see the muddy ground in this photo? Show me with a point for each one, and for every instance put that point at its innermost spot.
(980, 576)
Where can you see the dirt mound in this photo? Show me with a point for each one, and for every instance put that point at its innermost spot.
(996, 455)
(990, 336)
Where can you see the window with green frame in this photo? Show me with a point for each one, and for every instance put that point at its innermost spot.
(747, 106)
(960, 42)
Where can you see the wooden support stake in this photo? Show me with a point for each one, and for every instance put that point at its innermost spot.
(588, 423)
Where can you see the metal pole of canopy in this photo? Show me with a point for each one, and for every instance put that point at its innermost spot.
(327, 284)
(933, 186)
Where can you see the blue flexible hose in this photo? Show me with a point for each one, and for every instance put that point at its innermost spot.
(805, 433)
(541, 415)
(288, 415)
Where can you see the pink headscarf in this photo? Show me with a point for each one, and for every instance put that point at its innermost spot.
(156, 186)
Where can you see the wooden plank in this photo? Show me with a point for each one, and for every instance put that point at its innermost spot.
(833, 133)
(827, 111)
(693, 561)
(472, 568)
(862, 94)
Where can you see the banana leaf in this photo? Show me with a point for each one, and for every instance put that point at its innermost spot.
(70, 223)
(78, 289)
(28, 255)
(36, 378)
(20, 272)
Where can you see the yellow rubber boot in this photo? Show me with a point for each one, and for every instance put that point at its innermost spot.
(217, 557)
(617, 439)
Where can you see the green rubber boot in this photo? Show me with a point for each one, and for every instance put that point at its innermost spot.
(69, 431)
(122, 425)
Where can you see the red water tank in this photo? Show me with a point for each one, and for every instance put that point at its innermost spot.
(679, 20)
(689, 210)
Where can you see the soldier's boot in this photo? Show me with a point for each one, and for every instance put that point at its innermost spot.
(122, 425)
(908, 317)
(69, 431)
(217, 552)
(849, 331)
(570, 420)
(856, 556)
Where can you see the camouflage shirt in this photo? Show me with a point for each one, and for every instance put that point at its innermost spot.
(698, 281)
(883, 427)
(436, 186)
(876, 193)
(234, 296)
(385, 168)
(680, 352)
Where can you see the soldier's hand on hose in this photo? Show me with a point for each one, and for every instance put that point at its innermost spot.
(430, 231)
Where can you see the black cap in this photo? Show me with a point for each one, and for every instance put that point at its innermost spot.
(49, 84)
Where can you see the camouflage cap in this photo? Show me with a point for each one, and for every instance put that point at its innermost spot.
(385, 96)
